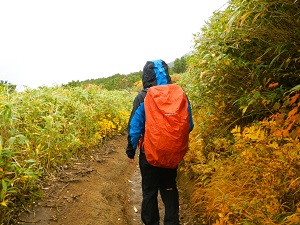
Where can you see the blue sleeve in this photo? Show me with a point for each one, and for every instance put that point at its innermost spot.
(190, 117)
(136, 124)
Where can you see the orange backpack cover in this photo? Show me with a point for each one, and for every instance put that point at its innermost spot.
(167, 125)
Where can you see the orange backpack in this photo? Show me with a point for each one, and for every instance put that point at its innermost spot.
(167, 125)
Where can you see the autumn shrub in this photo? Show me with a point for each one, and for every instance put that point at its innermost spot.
(243, 77)
(244, 59)
(259, 183)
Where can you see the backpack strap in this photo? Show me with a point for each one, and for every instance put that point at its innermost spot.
(145, 90)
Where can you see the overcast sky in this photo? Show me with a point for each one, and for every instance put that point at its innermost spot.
(50, 42)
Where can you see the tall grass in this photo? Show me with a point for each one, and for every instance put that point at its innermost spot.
(46, 127)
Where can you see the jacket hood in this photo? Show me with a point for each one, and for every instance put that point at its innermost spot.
(155, 73)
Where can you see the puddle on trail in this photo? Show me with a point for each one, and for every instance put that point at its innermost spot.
(135, 199)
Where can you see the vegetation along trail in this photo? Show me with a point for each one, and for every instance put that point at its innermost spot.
(242, 79)
(102, 189)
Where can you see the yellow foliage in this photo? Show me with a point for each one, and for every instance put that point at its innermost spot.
(294, 219)
(110, 126)
(253, 176)
(4, 203)
(139, 85)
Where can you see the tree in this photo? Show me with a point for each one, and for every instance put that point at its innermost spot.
(10, 87)
(179, 65)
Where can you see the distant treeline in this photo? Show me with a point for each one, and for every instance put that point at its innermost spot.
(117, 81)
(122, 81)
(10, 87)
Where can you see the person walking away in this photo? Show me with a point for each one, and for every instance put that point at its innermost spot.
(158, 170)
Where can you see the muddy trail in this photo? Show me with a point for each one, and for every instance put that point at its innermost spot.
(102, 189)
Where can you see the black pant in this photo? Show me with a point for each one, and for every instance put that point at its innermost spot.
(164, 180)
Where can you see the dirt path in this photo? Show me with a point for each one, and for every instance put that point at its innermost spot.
(101, 190)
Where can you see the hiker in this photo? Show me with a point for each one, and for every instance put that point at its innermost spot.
(154, 178)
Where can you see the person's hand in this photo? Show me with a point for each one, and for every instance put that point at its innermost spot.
(130, 160)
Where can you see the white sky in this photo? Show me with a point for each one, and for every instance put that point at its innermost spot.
(50, 42)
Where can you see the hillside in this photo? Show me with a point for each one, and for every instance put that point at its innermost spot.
(124, 81)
